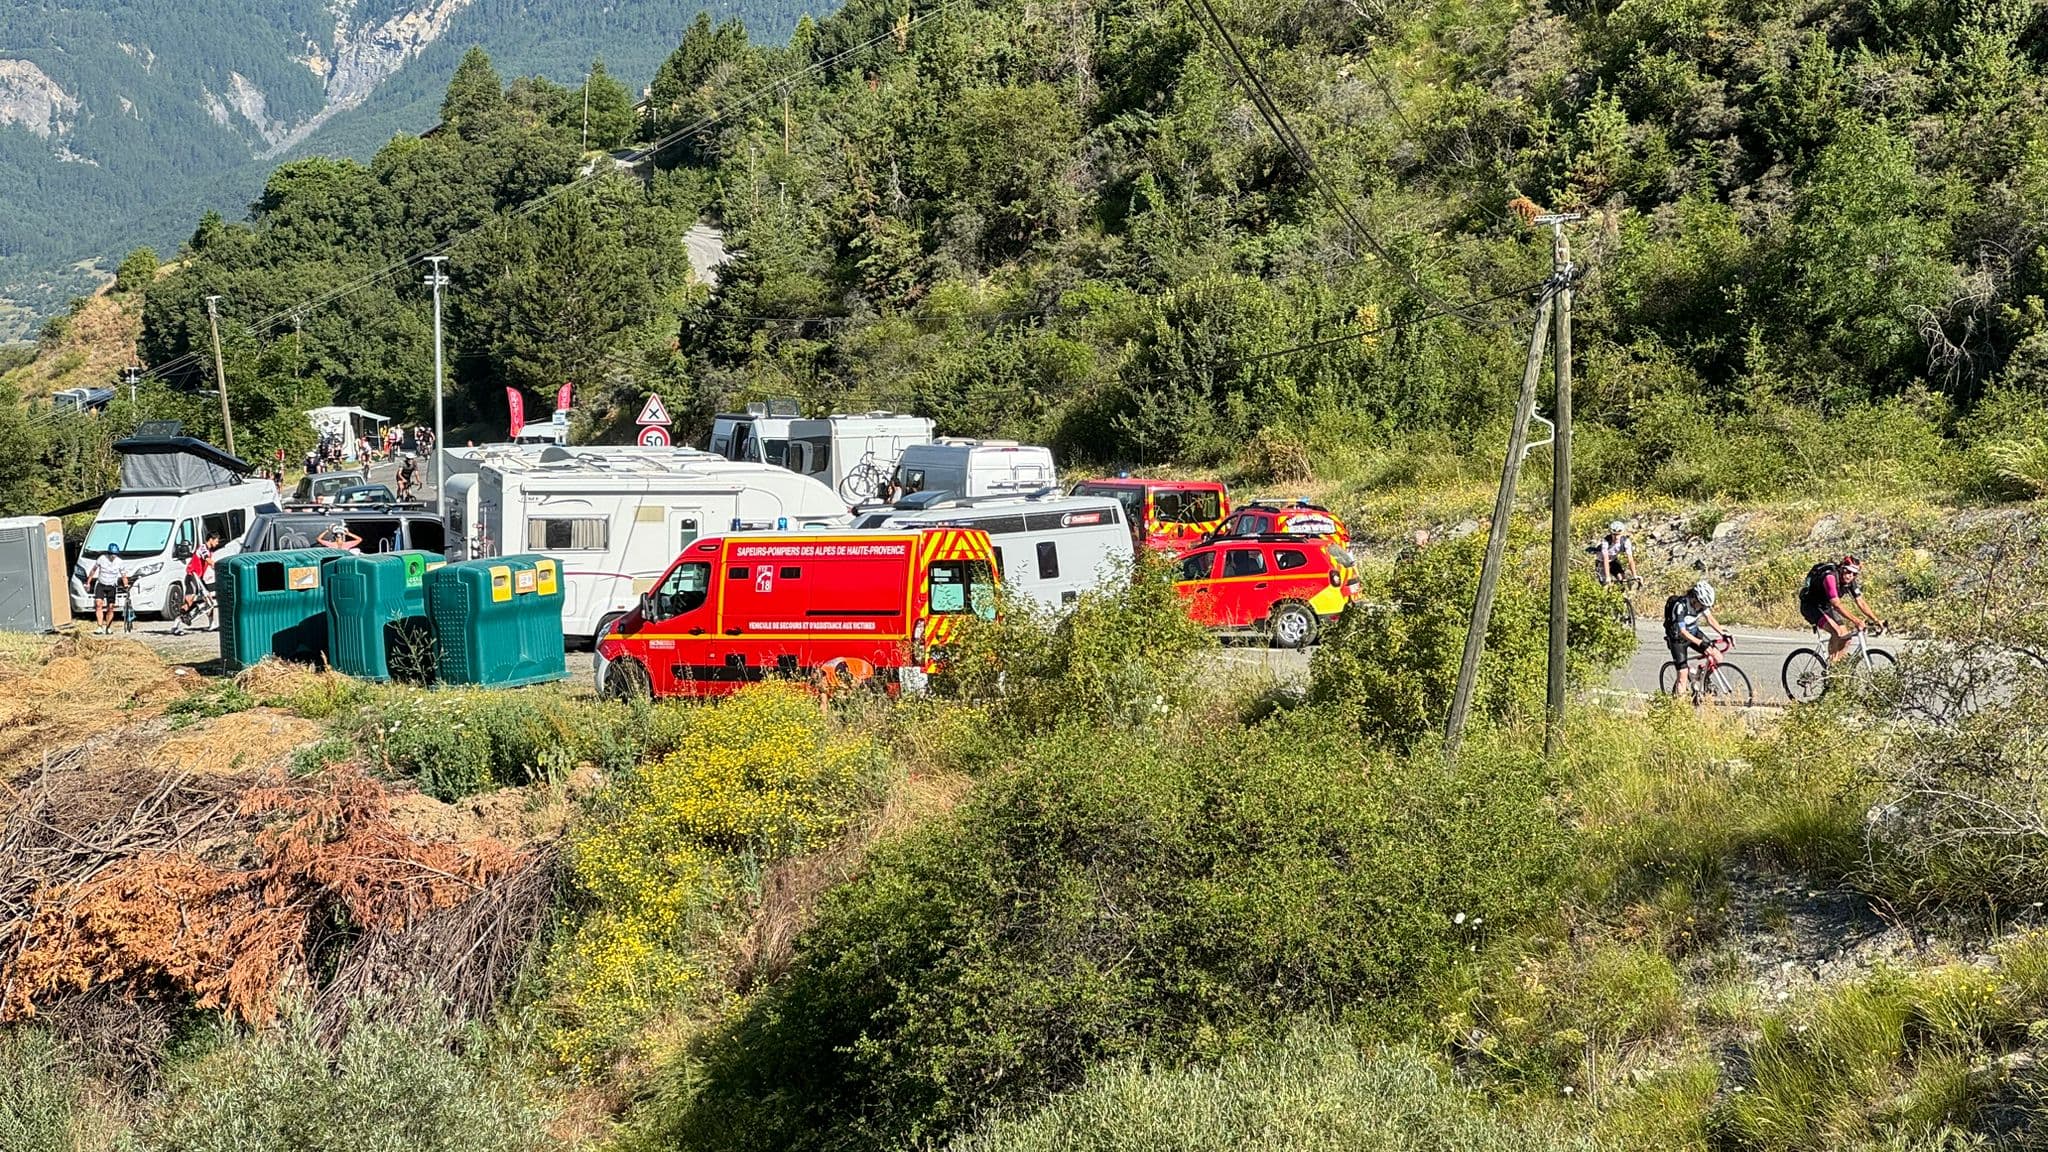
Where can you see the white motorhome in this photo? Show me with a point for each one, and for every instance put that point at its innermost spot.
(175, 492)
(1049, 548)
(854, 455)
(616, 521)
(457, 503)
(760, 434)
(974, 468)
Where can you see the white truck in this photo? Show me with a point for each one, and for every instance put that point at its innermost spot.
(854, 455)
(616, 520)
(175, 492)
(974, 468)
(1049, 549)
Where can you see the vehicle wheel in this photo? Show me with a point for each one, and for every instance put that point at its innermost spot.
(1805, 676)
(627, 680)
(1292, 625)
(1667, 678)
(1729, 687)
(173, 601)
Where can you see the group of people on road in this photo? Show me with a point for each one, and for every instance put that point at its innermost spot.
(1830, 599)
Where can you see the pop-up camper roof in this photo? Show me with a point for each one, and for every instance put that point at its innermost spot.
(177, 464)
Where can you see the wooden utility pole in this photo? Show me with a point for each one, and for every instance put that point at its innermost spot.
(1560, 480)
(1497, 533)
(220, 373)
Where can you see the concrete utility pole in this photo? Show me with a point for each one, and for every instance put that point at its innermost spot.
(437, 281)
(220, 373)
(586, 109)
(1497, 532)
(131, 376)
(1560, 479)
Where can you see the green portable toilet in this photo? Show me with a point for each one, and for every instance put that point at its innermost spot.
(498, 621)
(377, 611)
(273, 604)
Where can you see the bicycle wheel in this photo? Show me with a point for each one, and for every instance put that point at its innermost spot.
(1805, 675)
(1875, 665)
(1667, 678)
(1728, 686)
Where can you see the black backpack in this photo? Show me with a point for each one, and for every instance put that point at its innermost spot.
(1674, 611)
(1816, 579)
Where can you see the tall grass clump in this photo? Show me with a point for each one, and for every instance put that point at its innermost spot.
(44, 1102)
(1316, 1090)
(458, 742)
(671, 851)
(414, 1085)
(1124, 894)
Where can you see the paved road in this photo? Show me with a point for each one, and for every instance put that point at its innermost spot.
(1760, 652)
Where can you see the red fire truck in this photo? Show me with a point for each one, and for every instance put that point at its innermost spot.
(839, 605)
(1169, 516)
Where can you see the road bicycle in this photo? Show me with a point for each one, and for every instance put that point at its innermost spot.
(1807, 675)
(1713, 680)
(1627, 587)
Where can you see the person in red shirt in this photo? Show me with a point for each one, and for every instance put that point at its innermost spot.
(197, 568)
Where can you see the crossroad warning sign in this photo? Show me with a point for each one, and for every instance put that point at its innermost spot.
(654, 412)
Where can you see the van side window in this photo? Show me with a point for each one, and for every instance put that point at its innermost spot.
(913, 480)
(1198, 566)
(687, 588)
(1287, 559)
(427, 535)
(686, 532)
(960, 586)
(1048, 560)
(568, 533)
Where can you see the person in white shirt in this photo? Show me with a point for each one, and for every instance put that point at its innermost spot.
(109, 578)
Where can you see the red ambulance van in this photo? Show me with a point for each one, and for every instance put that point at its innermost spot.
(855, 605)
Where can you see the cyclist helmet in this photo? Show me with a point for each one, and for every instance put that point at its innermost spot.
(1851, 565)
(1704, 593)
(113, 549)
(1617, 526)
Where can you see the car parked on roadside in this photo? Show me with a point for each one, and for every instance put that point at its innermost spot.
(1285, 518)
(322, 487)
(1285, 588)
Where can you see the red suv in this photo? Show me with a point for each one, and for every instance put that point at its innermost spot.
(1282, 587)
(1285, 518)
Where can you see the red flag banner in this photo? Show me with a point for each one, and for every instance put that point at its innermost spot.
(562, 397)
(517, 404)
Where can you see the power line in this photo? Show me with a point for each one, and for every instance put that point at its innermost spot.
(264, 325)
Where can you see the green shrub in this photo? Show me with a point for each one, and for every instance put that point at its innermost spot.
(1315, 1091)
(456, 742)
(1392, 660)
(670, 850)
(1115, 895)
(1118, 655)
(423, 1086)
(1542, 1013)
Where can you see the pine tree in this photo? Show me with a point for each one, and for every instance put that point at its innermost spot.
(475, 104)
(611, 117)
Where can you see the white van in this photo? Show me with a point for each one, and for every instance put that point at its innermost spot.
(760, 434)
(1049, 549)
(616, 522)
(974, 468)
(854, 455)
(175, 492)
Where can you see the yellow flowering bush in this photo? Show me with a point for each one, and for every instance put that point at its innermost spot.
(670, 850)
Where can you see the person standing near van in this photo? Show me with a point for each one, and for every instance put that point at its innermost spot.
(109, 578)
(197, 570)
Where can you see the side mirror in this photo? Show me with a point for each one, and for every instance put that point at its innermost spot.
(647, 605)
(182, 552)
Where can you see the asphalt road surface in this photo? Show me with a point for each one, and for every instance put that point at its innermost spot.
(1760, 652)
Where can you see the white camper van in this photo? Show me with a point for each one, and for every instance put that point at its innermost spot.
(616, 522)
(175, 492)
(1049, 548)
(760, 434)
(854, 455)
(458, 503)
(974, 468)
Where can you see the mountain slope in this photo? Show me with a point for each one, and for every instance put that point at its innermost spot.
(120, 123)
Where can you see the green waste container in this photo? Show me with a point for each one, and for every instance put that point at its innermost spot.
(273, 604)
(377, 614)
(498, 621)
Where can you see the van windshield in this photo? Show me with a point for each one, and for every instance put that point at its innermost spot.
(132, 537)
(1187, 506)
(961, 586)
